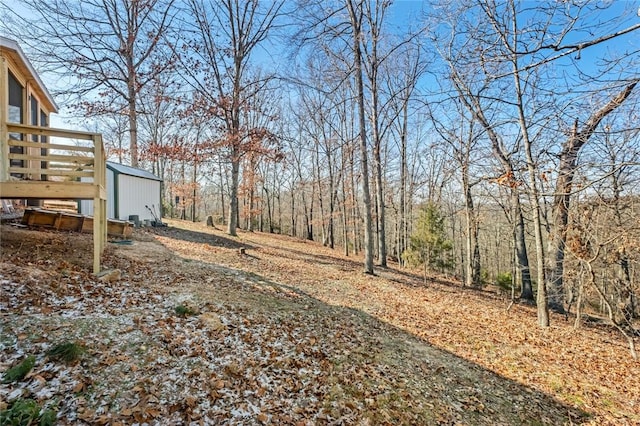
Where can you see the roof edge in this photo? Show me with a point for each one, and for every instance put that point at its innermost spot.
(13, 45)
(131, 171)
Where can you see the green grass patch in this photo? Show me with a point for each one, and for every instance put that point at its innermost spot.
(17, 373)
(67, 352)
(185, 311)
(26, 412)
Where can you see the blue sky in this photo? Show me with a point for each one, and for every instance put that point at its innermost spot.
(404, 14)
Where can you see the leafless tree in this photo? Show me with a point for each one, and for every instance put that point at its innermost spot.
(505, 49)
(409, 66)
(216, 62)
(104, 51)
(475, 90)
(568, 162)
(463, 141)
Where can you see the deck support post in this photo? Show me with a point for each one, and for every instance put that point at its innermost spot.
(4, 136)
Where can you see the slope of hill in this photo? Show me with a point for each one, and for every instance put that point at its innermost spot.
(290, 332)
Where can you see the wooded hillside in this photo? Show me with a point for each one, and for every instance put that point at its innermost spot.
(495, 142)
(185, 328)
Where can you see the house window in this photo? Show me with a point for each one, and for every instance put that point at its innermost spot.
(15, 116)
(34, 115)
(44, 122)
(15, 100)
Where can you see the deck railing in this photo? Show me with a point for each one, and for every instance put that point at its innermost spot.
(64, 160)
(46, 163)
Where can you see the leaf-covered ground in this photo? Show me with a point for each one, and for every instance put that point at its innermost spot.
(193, 332)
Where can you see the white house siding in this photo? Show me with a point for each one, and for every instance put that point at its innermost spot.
(134, 194)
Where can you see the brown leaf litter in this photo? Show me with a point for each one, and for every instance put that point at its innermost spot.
(287, 333)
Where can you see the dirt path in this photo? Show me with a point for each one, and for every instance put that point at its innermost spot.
(288, 333)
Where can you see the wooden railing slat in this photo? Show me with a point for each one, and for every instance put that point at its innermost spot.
(80, 160)
(49, 131)
(14, 142)
(67, 166)
(52, 172)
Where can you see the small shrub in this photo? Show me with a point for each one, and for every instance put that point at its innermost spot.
(484, 277)
(504, 280)
(429, 246)
(17, 373)
(184, 311)
(68, 352)
(26, 412)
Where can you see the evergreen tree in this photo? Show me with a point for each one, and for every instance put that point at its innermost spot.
(429, 246)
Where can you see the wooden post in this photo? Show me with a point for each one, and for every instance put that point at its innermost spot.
(4, 135)
(97, 234)
(103, 191)
(99, 203)
(105, 222)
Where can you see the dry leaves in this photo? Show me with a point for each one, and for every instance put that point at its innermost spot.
(263, 353)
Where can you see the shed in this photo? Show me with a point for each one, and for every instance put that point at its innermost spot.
(129, 191)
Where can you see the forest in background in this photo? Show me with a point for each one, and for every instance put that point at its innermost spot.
(496, 141)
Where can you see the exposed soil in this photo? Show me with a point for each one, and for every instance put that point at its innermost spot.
(289, 332)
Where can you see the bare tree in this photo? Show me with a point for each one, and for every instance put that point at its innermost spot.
(159, 123)
(512, 51)
(109, 47)
(356, 17)
(410, 67)
(568, 162)
(216, 64)
(463, 48)
(374, 13)
(463, 141)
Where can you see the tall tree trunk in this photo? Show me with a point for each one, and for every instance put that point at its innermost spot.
(522, 258)
(251, 207)
(382, 235)
(356, 22)
(279, 198)
(562, 196)
(333, 199)
(133, 122)
(377, 162)
(330, 225)
(472, 259)
(345, 220)
(233, 196)
(309, 217)
(293, 231)
(402, 231)
(222, 202)
(355, 216)
(194, 192)
(269, 212)
(534, 199)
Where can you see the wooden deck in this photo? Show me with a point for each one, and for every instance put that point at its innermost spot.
(45, 163)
